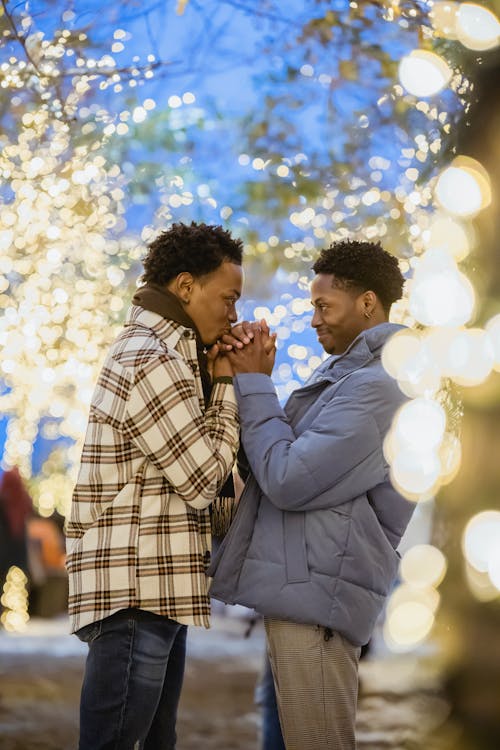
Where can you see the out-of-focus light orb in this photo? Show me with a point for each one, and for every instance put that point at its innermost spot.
(480, 584)
(436, 343)
(422, 378)
(464, 188)
(402, 347)
(444, 18)
(420, 424)
(448, 235)
(441, 296)
(408, 625)
(481, 539)
(494, 568)
(493, 331)
(405, 592)
(424, 73)
(423, 565)
(406, 360)
(410, 616)
(477, 27)
(415, 473)
(470, 357)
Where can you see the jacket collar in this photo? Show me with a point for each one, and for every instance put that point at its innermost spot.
(167, 330)
(365, 347)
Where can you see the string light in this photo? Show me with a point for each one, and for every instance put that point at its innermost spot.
(64, 275)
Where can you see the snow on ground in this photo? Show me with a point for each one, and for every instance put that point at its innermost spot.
(41, 672)
(224, 640)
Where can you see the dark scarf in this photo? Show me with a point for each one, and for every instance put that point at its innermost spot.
(166, 304)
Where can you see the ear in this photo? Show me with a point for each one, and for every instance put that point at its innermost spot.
(183, 286)
(368, 302)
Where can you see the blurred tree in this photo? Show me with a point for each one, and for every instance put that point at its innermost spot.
(469, 618)
(298, 132)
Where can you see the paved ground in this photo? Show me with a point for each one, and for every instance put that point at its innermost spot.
(40, 676)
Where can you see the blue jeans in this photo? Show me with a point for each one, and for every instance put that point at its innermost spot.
(265, 697)
(132, 682)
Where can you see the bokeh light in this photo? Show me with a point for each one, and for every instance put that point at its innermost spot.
(477, 27)
(410, 616)
(439, 294)
(449, 235)
(464, 188)
(424, 73)
(481, 539)
(423, 566)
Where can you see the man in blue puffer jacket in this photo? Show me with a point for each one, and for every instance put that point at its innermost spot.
(313, 544)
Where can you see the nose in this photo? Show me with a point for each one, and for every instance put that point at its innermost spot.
(233, 316)
(315, 321)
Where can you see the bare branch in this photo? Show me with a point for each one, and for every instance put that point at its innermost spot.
(20, 38)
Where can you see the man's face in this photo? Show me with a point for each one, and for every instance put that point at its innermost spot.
(213, 299)
(338, 314)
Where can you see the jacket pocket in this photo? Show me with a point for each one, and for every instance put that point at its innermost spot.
(89, 633)
(297, 569)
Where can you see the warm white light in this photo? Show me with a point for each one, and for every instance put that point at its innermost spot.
(444, 18)
(494, 568)
(423, 565)
(424, 73)
(139, 114)
(477, 27)
(405, 358)
(410, 616)
(415, 473)
(448, 235)
(420, 424)
(402, 347)
(470, 356)
(409, 625)
(493, 331)
(480, 584)
(463, 188)
(440, 295)
(481, 539)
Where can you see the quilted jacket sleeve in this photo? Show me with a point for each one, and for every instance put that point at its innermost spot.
(337, 459)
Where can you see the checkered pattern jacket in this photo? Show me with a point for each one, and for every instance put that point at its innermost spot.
(153, 460)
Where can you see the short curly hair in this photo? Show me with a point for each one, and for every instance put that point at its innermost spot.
(363, 266)
(196, 248)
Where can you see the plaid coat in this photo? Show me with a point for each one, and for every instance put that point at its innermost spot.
(153, 460)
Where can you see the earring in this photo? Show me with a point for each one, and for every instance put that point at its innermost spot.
(367, 315)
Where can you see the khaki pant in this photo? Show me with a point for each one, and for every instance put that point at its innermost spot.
(316, 685)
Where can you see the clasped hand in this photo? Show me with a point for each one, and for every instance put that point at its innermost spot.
(250, 347)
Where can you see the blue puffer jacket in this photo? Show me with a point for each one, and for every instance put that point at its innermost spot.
(315, 535)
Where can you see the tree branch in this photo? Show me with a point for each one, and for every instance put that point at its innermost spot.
(20, 38)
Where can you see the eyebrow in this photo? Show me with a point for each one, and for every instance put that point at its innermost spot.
(236, 293)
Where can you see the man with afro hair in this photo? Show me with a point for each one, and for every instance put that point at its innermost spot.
(313, 544)
(161, 440)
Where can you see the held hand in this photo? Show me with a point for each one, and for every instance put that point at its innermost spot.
(217, 363)
(222, 367)
(257, 357)
(241, 335)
